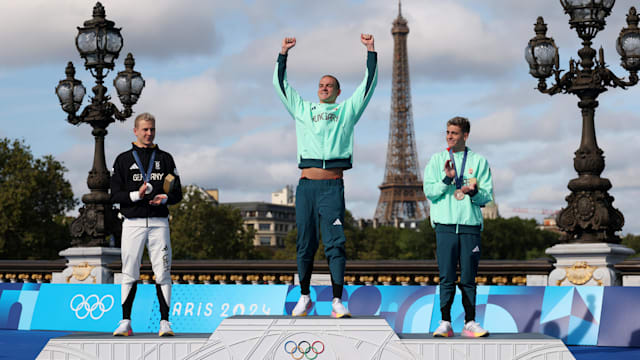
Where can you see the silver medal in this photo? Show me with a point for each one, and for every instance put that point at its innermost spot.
(149, 188)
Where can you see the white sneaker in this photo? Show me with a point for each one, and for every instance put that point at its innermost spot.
(443, 330)
(473, 330)
(339, 310)
(303, 307)
(165, 328)
(124, 328)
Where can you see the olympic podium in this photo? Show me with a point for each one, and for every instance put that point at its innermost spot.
(316, 337)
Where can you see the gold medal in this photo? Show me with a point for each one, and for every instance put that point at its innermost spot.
(458, 194)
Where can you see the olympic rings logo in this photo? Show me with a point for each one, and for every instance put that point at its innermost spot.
(304, 348)
(93, 306)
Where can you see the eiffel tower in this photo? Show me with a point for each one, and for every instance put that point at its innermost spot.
(402, 199)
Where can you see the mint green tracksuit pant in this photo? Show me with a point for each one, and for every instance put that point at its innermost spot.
(458, 244)
(320, 206)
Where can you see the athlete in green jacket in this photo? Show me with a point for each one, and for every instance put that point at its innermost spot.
(458, 183)
(324, 131)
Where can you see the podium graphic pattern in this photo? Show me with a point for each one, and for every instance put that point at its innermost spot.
(316, 337)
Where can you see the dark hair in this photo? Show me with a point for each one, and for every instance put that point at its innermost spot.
(334, 78)
(461, 122)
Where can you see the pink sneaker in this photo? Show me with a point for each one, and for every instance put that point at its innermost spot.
(303, 306)
(473, 330)
(338, 309)
(124, 328)
(443, 330)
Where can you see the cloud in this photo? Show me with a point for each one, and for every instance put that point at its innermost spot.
(457, 42)
(547, 194)
(160, 29)
(184, 106)
(503, 181)
(264, 161)
(472, 47)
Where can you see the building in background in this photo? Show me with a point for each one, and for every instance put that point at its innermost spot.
(270, 221)
(402, 201)
(490, 210)
(214, 193)
(195, 190)
(549, 224)
(284, 196)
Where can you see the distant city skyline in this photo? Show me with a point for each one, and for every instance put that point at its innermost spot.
(208, 68)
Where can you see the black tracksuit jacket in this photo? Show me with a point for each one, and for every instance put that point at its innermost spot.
(126, 177)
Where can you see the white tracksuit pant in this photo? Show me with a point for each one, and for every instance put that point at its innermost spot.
(154, 232)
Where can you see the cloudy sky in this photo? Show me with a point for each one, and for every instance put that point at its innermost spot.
(208, 67)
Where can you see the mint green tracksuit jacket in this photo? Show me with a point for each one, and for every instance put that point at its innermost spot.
(325, 131)
(445, 209)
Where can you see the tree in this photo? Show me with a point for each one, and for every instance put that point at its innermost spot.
(420, 244)
(34, 196)
(632, 241)
(202, 230)
(515, 238)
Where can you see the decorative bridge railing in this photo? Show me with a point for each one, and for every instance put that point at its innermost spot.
(382, 272)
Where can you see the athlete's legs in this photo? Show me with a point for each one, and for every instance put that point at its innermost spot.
(160, 255)
(331, 209)
(469, 258)
(132, 246)
(307, 240)
(448, 252)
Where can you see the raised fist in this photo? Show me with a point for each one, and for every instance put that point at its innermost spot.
(287, 43)
(367, 40)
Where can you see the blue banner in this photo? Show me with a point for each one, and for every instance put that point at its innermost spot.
(568, 313)
(17, 304)
(194, 308)
(577, 315)
(77, 307)
(201, 308)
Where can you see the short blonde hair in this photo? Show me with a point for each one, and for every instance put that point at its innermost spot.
(144, 117)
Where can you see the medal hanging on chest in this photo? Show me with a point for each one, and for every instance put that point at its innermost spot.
(459, 179)
(145, 175)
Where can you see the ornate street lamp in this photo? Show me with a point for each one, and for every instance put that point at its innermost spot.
(589, 216)
(99, 43)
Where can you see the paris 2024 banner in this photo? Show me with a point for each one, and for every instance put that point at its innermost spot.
(574, 314)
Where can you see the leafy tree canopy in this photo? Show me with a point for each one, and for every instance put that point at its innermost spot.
(34, 196)
(202, 230)
(632, 241)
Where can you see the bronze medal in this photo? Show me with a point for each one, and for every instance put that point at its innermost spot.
(458, 194)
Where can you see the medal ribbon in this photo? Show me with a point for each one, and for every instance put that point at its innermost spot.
(145, 176)
(460, 178)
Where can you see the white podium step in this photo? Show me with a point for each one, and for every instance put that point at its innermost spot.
(104, 346)
(526, 346)
(312, 338)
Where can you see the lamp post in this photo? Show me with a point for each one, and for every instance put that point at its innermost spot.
(589, 216)
(99, 43)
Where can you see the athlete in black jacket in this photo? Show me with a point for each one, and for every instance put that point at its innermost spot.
(144, 181)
